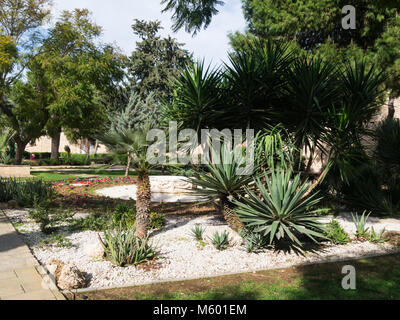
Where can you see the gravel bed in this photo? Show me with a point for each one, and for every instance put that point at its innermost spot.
(181, 257)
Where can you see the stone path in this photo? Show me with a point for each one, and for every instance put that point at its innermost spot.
(21, 276)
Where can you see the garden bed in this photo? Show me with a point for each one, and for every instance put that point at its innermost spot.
(182, 257)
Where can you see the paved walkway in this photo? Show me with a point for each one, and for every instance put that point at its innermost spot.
(21, 276)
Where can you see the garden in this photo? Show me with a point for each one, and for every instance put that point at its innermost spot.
(281, 214)
(323, 184)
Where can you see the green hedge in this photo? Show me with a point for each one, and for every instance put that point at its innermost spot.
(24, 191)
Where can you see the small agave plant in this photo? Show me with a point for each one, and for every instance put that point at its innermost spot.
(360, 223)
(197, 232)
(220, 240)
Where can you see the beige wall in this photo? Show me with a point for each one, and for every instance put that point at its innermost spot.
(44, 145)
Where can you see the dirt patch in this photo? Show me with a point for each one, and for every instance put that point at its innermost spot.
(393, 237)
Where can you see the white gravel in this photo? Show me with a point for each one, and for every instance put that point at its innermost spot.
(181, 257)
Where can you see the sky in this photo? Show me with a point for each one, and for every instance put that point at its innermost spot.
(117, 16)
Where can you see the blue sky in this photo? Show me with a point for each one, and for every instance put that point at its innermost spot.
(116, 18)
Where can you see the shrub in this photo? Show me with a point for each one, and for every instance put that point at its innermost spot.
(156, 220)
(24, 191)
(54, 162)
(123, 248)
(41, 215)
(124, 215)
(367, 191)
(279, 211)
(335, 233)
(95, 222)
(220, 240)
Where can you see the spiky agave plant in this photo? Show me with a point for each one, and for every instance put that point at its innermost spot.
(221, 181)
(279, 211)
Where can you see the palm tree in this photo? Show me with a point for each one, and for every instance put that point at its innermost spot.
(128, 117)
(133, 141)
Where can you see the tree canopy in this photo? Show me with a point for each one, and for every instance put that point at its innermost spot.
(155, 60)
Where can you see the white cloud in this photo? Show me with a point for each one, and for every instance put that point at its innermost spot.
(116, 18)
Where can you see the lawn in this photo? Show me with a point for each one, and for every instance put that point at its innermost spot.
(376, 278)
(59, 176)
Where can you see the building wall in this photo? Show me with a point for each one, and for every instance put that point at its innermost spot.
(43, 144)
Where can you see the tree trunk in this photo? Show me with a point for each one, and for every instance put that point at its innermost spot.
(143, 197)
(55, 145)
(128, 165)
(19, 154)
(316, 182)
(391, 108)
(230, 216)
(87, 149)
(96, 146)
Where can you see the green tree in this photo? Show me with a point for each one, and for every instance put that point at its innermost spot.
(315, 26)
(20, 22)
(191, 14)
(80, 72)
(27, 103)
(154, 61)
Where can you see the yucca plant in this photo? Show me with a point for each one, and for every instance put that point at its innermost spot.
(360, 223)
(196, 98)
(279, 211)
(197, 232)
(123, 248)
(220, 240)
(221, 181)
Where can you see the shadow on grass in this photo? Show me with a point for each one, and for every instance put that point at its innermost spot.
(376, 278)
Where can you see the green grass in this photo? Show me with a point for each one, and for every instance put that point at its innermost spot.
(376, 278)
(57, 176)
(100, 173)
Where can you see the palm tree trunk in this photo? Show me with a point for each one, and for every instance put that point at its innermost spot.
(143, 197)
(128, 165)
(230, 216)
